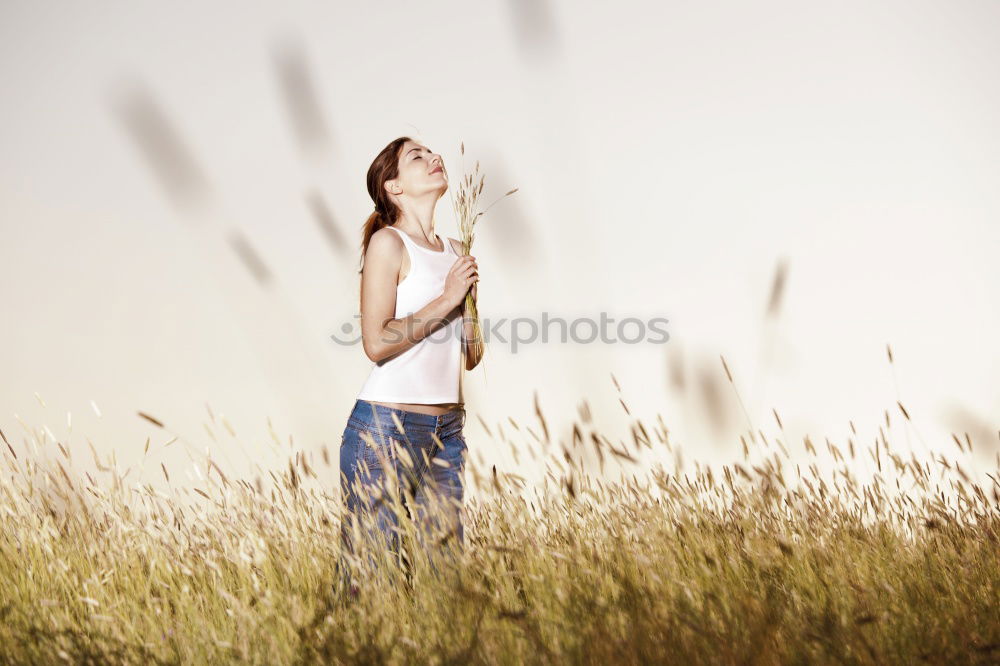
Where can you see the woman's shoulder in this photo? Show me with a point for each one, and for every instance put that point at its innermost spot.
(384, 243)
(385, 238)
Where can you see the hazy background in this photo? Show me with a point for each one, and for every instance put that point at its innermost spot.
(182, 188)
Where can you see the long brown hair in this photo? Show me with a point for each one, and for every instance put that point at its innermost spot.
(384, 167)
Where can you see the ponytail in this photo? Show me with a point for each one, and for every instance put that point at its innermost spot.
(384, 167)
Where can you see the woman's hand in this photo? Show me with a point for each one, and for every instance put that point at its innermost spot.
(464, 273)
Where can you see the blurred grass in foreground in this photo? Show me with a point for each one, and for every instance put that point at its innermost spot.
(754, 563)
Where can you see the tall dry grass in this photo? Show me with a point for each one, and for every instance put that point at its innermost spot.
(465, 205)
(784, 556)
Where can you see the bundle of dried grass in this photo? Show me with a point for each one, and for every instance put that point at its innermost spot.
(464, 205)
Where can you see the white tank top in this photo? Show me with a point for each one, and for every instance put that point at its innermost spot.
(430, 371)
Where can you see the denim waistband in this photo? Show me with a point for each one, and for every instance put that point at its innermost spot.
(368, 414)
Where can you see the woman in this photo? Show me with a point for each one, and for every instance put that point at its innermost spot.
(403, 444)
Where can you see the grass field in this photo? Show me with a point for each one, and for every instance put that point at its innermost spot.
(761, 561)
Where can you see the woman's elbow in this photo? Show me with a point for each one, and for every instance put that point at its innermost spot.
(374, 352)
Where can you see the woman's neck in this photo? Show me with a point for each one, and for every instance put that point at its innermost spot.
(417, 219)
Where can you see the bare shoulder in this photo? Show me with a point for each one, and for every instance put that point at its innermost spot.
(385, 242)
(385, 251)
(456, 245)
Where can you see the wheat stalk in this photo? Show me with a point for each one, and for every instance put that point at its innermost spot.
(464, 206)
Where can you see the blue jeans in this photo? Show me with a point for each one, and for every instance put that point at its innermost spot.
(415, 461)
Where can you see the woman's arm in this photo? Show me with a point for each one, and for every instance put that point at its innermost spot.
(382, 334)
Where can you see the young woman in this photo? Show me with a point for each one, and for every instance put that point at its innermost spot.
(404, 438)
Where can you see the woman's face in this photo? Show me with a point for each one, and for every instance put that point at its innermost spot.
(420, 171)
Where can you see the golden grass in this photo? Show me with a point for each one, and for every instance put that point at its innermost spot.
(465, 205)
(754, 561)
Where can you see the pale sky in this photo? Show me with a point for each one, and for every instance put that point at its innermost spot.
(668, 156)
